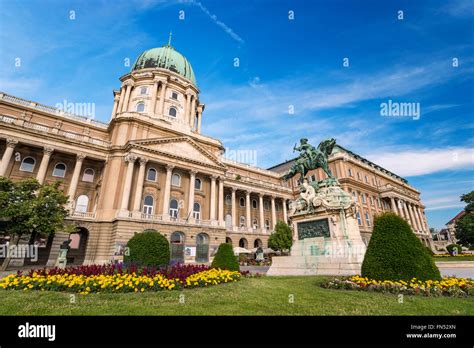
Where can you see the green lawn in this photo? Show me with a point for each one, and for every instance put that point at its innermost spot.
(250, 296)
(454, 258)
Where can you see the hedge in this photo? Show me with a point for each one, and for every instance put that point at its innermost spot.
(395, 253)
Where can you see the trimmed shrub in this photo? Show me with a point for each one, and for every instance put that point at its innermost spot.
(430, 252)
(395, 253)
(450, 248)
(225, 258)
(149, 248)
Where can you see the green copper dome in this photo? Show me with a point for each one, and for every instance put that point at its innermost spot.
(166, 57)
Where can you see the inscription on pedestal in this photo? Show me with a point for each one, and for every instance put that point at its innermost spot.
(311, 229)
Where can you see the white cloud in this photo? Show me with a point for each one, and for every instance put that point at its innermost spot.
(424, 161)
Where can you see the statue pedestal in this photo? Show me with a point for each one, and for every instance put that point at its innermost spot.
(326, 237)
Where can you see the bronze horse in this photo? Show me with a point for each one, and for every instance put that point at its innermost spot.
(311, 158)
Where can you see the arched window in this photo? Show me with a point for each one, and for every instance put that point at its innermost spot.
(198, 184)
(197, 211)
(228, 240)
(242, 221)
(255, 223)
(82, 204)
(148, 203)
(151, 175)
(176, 180)
(254, 203)
(266, 205)
(173, 112)
(228, 199)
(140, 107)
(267, 224)
(243, 243)
(174, 208)
(242, 201)
(228, 221)
(28, 164)
(257, 243)
(59, 170)
(88, 175)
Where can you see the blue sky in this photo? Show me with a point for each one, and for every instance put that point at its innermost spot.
(283, 63)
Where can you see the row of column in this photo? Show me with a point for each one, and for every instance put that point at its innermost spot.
(192, 107)
(248, 214)
(43, 168)
(410, 212)
(130, 159)
(217, 184)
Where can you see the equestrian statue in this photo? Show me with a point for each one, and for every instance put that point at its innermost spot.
(311, 158)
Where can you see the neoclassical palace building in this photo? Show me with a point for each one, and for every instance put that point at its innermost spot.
(151, 168)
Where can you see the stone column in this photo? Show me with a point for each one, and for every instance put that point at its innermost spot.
(200, 109)
(260, 208)
(128, 181)
(47, 152)
(285, 214)
(114, 110)
(161, 106)
(273, 213)
(398, 204)
(405, 212)
(127, 97)
(153, 97)
(247, 210)
(186, 106)
(7, 155)
(121, 98)
(234, 210)
(393, 205)
(192, 183)
(212, 214)
(75, 177)
(140, 180)
(417, 218)
(221, 200)
(423, 222)
(166, 193)
(412, 217)
(192, 110)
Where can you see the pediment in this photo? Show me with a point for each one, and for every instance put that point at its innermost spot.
(183, 148)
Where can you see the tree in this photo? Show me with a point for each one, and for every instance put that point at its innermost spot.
(225, 258)
(282, 238)
(465, 225)
(26, 207)
(149, 248)
(395, 253)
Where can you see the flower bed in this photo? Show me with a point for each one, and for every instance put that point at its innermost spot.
(112, 278)
(458, 255)
(448, 286)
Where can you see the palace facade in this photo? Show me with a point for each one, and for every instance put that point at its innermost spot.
(150, 167)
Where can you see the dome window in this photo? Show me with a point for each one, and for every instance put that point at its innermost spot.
(174, 95)
(173, 112)
(143, 90)
(140, 107)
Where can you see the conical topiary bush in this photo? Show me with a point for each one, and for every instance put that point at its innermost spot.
(225, 258)
(395, 253)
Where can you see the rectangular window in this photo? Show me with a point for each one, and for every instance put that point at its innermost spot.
(358, 175)
(367, 219)
(366, 179)
(364, 198)
(359, 220)
(174, 95)
(350, 172)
